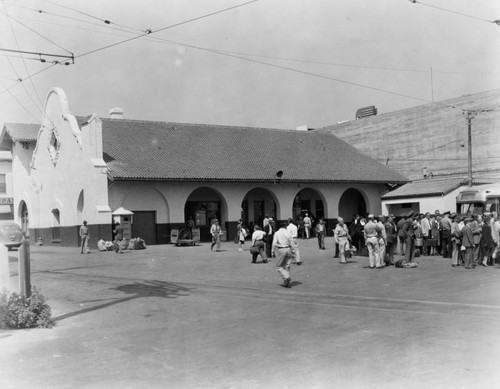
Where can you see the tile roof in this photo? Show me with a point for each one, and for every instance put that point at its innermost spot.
(22, 132)
(149, 150)
(427, 188)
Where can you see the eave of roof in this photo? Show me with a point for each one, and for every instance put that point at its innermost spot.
(427, 188)
(22, 132)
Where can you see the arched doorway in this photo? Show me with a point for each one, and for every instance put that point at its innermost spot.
(351, 202)
(257, 204)
(203, 205)
(308, 201)
(79, 207)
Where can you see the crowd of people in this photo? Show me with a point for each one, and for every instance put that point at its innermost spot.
(469, 241)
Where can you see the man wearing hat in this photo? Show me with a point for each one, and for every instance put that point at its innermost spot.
(84, 238)
(409, 233)
(215, 231)
(456, 240)
(342, 238)
(468, 243)
(320, 230)
(382, 239)
(390, 231)
(371, 233)
(446, 235)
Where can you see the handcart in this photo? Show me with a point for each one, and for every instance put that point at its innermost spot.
(184, 237)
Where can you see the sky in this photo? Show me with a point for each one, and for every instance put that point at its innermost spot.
(267, 63)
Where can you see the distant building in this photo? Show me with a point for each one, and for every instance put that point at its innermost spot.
(73, 168)
(431, 139)
(429, 145)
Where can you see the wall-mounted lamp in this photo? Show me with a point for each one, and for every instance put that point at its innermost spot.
(278, 176)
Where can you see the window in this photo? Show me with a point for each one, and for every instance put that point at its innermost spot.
(3, 185)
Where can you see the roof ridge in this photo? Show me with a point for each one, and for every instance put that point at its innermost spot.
(196, 124)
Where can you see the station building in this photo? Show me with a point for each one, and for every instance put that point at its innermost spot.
(74, 168)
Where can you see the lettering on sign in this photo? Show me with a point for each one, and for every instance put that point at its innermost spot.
(6, 200)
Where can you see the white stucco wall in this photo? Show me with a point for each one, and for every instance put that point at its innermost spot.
(168, 199)
(66, 162)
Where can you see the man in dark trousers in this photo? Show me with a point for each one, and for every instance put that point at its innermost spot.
(468, 243)
(269, 229)
(409, 228)
(118, 233)
(446, 235)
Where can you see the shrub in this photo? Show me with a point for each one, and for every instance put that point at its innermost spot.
(19, 311)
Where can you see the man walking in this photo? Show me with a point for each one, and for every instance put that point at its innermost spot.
(84, 238)
(258, 245)
(118, 232)
(342, 238)
(215, 231)
(282, 246)
(320, 233)
(293, 231)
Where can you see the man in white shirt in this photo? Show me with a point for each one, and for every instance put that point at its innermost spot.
(342, 238)
(425, 226)
(307, 225)
(282, 247)
(258, 245)
(293, 231)
(382, 239)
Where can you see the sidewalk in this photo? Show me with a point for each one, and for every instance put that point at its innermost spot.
(185, 317)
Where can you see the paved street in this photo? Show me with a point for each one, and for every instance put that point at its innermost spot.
(185, 317)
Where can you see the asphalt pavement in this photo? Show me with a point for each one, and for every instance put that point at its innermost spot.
(186, 317)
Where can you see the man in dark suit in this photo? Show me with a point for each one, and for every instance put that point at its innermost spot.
(468, 243)
(269, 229)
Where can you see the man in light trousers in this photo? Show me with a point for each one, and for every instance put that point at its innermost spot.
(371, 232)
(282, 246)
(293, 231)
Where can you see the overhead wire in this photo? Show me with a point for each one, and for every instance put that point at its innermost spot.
(40, 35)
(497, 22)
(105, 21)
(229, 54)
(153, 38)
(19, 102)
(20, 80)
(39, 107)
(148, 32)
(41, 11)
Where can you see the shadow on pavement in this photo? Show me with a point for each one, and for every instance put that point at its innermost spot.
(136, 290)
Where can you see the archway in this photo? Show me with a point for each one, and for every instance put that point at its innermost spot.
(308, 201)
(256, 205)
(352, 202)
(203, 205)
(151, 213)
(80, 206)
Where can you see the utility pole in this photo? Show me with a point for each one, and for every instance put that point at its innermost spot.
(469, 115)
